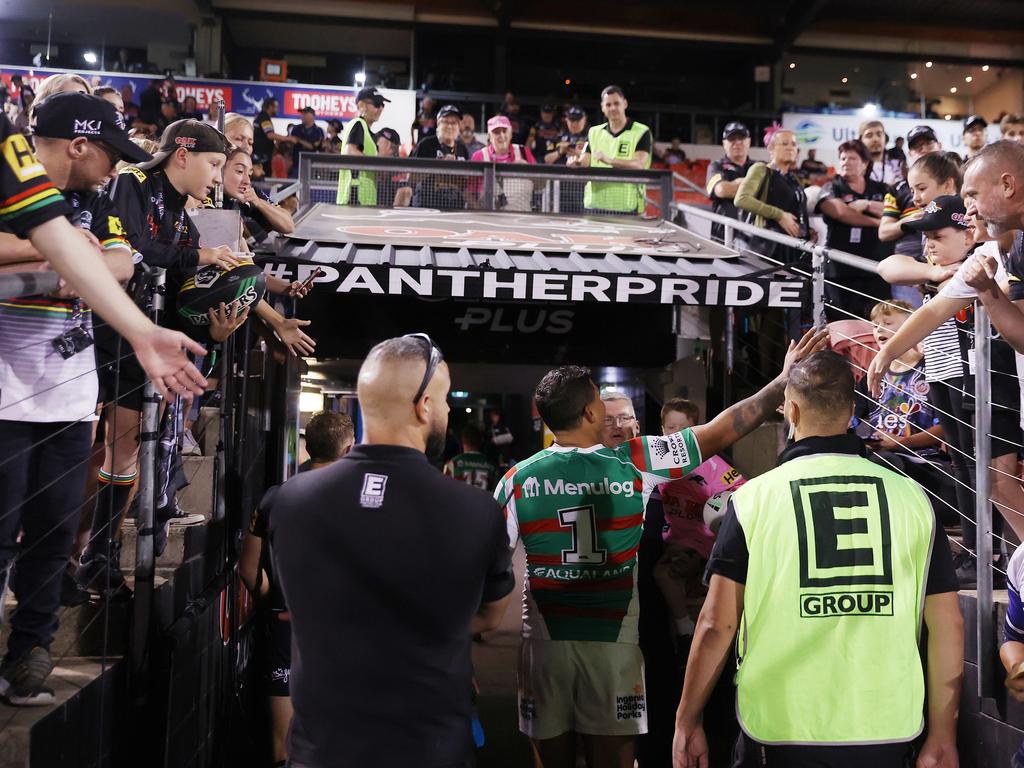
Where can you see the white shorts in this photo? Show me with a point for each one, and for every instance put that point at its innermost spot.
(592, 688)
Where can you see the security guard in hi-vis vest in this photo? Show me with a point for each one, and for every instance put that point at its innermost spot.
(360, 187)
(621, 142)
(827, 565)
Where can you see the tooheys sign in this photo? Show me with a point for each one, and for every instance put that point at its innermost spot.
(511, 285)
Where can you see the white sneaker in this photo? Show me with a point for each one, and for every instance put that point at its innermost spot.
(189, 446)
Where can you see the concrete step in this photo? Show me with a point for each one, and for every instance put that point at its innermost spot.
(69, 732)
(89, 629)
(206, 430)
(198, 495)
(183, 542)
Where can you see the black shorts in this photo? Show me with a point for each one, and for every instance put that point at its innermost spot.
(126, 383)
(751, 754)
(118, 371)
(1006, 432)
(278, 655)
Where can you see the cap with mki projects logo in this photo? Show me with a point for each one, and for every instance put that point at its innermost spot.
(71, 115)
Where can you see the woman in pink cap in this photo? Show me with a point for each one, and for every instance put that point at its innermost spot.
(501, 149)
(512, 194)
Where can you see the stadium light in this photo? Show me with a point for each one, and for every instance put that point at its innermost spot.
(792, 65)
(846, 79)
(90, 57)
(984, 68)
(913, 75)
(949, 117)
(928, 64)
(469, 410)
(953, 89)
(360, 78)
(870, 109)
(968, 79)
(310, 402)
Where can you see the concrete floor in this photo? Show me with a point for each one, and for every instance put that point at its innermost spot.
(495, 663)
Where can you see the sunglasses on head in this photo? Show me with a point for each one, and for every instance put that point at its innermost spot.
(432, 356)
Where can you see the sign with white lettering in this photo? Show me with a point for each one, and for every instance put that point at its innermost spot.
(537, 286)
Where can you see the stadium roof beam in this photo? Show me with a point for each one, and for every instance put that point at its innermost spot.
(798, 17)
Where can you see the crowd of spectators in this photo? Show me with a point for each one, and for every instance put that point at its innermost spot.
(937, 226)
(78, 381)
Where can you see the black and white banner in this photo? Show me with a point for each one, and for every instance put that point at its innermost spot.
(538, 286)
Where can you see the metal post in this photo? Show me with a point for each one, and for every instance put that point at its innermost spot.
(145, 560)
(666, 195)
(983, 506)
(730, 338)
(489, 187)
(818, 261)
(305, 176)
(226, 442)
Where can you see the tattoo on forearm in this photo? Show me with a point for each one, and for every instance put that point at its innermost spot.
(749, 413)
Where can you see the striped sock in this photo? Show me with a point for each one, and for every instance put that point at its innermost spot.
(112, 495)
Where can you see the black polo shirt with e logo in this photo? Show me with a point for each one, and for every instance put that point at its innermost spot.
(383, 562)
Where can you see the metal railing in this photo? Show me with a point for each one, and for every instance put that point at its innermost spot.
(518, 187)
(982, 446)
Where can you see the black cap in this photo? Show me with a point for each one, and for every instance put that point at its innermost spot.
(920, 133)
(547, 108)
(575, 113)
(974, 121)
(370, 93)
(191, 135)
(307, 109)
(390, 134)
(449, 109)
(69, 115)
(731, 129)
(944, 211)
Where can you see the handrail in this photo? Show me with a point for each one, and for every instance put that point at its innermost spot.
(477, 168)
(15, 284)
(285, 192)
(690, 183)
(840, 257)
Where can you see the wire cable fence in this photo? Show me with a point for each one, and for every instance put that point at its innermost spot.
(973, 356)
(49, 448)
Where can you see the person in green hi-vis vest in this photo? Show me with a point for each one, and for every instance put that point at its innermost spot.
(360, 187)
(827, 565)
(621, 142)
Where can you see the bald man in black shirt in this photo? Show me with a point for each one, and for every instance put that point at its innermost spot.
(388, 568)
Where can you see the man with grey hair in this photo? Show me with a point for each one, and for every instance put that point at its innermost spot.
(381, 670)
(620, 422)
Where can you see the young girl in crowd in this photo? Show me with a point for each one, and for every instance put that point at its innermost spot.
(950, 238)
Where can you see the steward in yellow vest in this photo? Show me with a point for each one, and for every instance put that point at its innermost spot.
(360, 187)
(621, 142)
(827, 565)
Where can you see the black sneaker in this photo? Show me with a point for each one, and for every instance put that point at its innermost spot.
(71, 592)
(92, 575)
(23, 682)
(966, 570)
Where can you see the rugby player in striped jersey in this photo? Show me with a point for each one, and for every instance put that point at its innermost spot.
(578, 507)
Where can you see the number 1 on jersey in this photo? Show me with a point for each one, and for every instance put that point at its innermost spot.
(583, 522)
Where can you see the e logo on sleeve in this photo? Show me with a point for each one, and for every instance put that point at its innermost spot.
(20, 158)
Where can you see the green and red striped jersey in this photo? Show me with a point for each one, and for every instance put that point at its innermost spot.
(580, 514)
(472, 468)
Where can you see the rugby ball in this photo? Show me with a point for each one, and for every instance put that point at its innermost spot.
(714, 510)
(210, 286)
